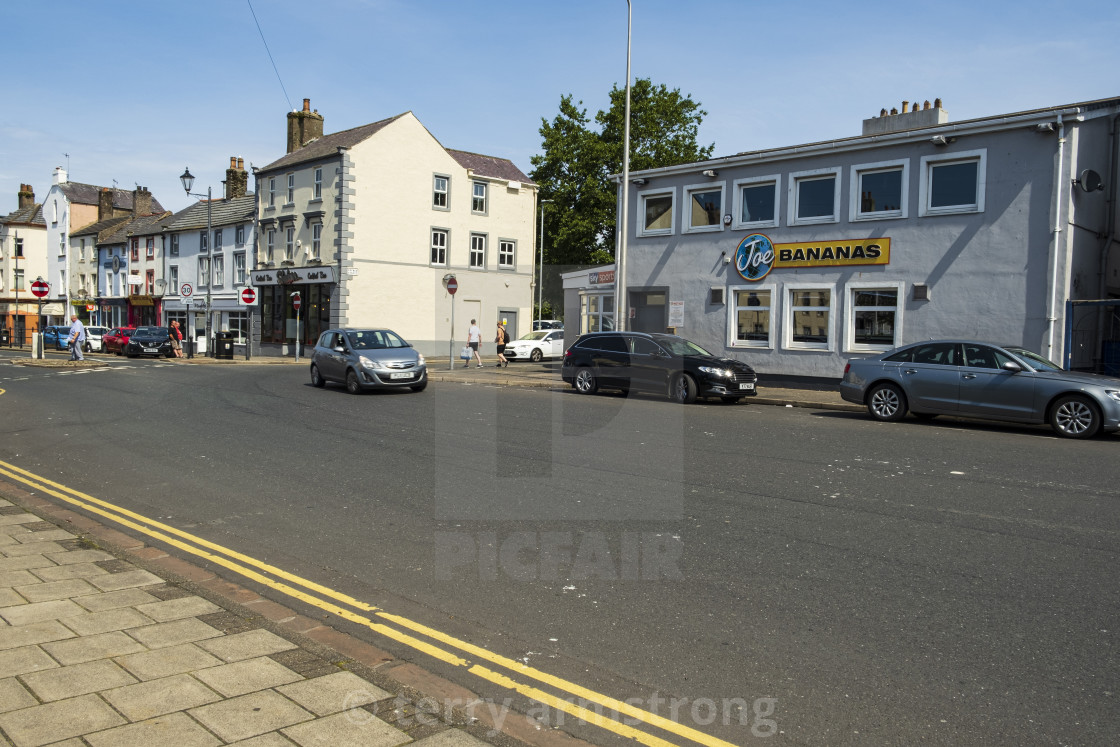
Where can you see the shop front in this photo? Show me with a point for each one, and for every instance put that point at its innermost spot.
(591, 292)
(283, 320)
(143, 311)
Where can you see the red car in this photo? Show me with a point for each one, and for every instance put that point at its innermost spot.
(117, 338)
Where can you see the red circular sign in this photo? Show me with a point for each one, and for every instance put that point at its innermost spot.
(248, 295)
(452, 286)
(295, 302)
(40, 288)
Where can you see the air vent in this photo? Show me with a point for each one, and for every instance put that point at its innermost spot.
(921, 292)
(717, 296)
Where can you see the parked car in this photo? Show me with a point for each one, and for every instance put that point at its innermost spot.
(56, 337)
(659, 363)
(367, 359)
(94, 336)
(149, 341)
(982, 380)
(548, 324)
(117, 338)
(536, 346)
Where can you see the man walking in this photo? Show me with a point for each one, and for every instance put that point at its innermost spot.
(474, 337)
(77, 338)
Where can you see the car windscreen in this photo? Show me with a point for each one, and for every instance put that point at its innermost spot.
(539, 335)
(150, 332)
(375, 339)
(1035, 360)
(679, 346)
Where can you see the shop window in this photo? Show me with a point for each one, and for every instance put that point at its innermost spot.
(596, 312)
(440, 187)
(814, 197)
(238, 324)
(478, 251)
(879, 190)
(656, 210)
(874, 317)
(507, 253)
(953, 183)
(756, 202)
(704, 211)
(439, 247)
(751, 317)
(808, 321)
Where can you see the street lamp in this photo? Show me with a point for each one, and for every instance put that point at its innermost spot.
(620, 309)
(188, 181)
(540, 274)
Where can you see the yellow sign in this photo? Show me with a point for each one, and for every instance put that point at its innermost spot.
(141, 301)
(833, 253)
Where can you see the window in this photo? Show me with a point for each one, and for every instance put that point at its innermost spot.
(239, 268)
(317, 194)
(874, 317)
(809, 317)
(149, 247)
(478, 251)
(879, 190)
(289, 243)
(596, 312)
(239, 237)
(291, 189)
(953, 183)
(218, 240)
(174, 245)
(756, 202)
(134, 247)
(173, 280)
(272, 191)
(439, 192)
(82, 251)
(657, 213)
(239, 326)
(814, 197)
(316, 240)
(439, 247)
(62, 245)
(506, 255)
(203, 242)
(18, 280)
(270, 244)
(19, 248)
(478, 197)
(219, 270)
(149, 282)
(704, 208)
(751, 317)
(204, 271)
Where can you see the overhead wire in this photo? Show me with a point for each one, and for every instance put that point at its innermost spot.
(269, 51)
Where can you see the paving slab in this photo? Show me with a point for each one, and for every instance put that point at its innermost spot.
(31, 613)
(47, 535)
(333, 693)
(346, 730)
(70, 557)
(11, 598)
(172, 730)
(92, 623)
(174, 633)
(24, 562)
(63, 719)
(64, 572)
(14, 696)
(247, 676)
(272, 739)
(112, 600)
(18, 661)
(158, 697)
(24, 518)
(30, 548)
(250, 715)
(247, 645)
(16, 578)
(90, 647)
(126, 580)
(47, 591)
(80, 679)
(177, 609)
(164, 662)
(17, 636)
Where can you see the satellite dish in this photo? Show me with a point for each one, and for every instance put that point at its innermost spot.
(1089, 181)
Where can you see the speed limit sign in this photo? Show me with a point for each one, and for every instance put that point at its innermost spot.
(185, 290)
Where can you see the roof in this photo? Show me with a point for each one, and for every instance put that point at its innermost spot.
(89, 194)
(141, 226)
(328, 145)
(30, 216)
(102, 228)
(491, 166)
(223, 212)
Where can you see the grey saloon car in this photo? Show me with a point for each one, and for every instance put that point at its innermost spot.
(367, 359)
(982, 380)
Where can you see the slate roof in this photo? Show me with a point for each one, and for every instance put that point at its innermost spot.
(88, 194)
(328, 145)
(28, 216)
(498, 168)
(145, 225)
(102, 229)
(222, 213)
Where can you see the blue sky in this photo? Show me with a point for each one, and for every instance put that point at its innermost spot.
(136, 91)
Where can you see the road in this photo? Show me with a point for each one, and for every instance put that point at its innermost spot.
(800, 576)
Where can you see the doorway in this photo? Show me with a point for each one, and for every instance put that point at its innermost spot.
(510, 317)
(651, 313)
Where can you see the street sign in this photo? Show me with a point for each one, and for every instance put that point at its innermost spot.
(295, 301)
(249, 296)
(452, 286)
(185, 290)
(40, 288)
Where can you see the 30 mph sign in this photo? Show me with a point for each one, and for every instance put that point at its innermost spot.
(40, 288)
(249, 296)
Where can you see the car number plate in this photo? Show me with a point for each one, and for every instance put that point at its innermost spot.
(400, 376)
(749, 385)
(151, 350)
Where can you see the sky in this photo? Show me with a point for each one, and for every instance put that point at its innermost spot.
(132, 92)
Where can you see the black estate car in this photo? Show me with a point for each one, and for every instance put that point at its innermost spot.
(149, 341)
(659, 363)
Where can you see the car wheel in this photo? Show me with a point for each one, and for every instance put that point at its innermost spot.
(316, 377)
(88, 348)
(419, 387)
(352, 384)
(585, 382)
(886, 402)
(683, 389)
(1074, 416)
(536, 355)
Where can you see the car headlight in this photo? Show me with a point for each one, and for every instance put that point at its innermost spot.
(367, 363)
(419, 359)
(1113, 394)
(721, 372)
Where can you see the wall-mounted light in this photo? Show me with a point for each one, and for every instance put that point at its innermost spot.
(940, 140)
(727, 219)
(710, 173)
(639, 181)
(1044, 127)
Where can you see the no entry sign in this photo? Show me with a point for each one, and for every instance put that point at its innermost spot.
(249, 296)
(40, 288)
(452, 286)
(295, 301)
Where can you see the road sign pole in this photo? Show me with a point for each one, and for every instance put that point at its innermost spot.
(42, 338)
(451, 342)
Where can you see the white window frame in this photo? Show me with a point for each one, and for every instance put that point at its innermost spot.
(437, 192)
(480, 237)
(270, 244)
(239, 268)
(218, 240)
(686, 207)
(855, 192)
(788, 310)
(434, 246)
(733, 340)
(272, 191)
(172, 280)
(291, 189)
(219, 271)
(929, 163)
(507, 254)
(317, 193)
(290, 243)
(739, 185)
(203, 242)
(644, 195)
(239, 236)
(850, 309)
(203, 272)
(317, 240)
(174, 245)
(795, 180)
(475, 184)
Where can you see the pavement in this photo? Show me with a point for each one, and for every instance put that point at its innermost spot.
(108, 641)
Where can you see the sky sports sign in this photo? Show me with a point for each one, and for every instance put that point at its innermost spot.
(756, 255)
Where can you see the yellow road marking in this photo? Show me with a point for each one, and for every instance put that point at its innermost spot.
(105, 509)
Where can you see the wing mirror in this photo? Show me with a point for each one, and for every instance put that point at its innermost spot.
(1012, 366)
(339, 349)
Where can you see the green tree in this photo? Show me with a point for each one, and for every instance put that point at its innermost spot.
(577, 162)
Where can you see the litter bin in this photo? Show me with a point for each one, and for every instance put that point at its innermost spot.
(5, 337)
(223, 350)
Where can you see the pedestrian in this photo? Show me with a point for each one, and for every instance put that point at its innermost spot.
(502, 339)
(77, 338)
(176, 339)
(474, 338)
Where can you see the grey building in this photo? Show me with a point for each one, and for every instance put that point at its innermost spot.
(795, 259)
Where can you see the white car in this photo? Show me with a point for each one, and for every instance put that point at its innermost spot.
(536, 346)
(93, 339)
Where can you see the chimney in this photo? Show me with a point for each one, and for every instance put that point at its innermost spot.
(141, 202)
(104, 203)
(304, 126)
(59, 176)
(26, 197)
(237, 181)
(914, 117)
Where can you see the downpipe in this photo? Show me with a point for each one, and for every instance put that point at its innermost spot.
(1056, 232)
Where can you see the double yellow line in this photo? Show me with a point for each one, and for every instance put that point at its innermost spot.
(439, 645)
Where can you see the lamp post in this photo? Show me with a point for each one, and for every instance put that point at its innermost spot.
(540, 273)
(17, 250)
(620, 305)
(188, 181)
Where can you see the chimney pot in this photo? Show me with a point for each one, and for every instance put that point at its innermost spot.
(307, 105)
(894, 110)
(937, 103)
(905, 106)
(926, 104)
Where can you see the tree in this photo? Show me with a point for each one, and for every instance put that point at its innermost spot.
(577, 162)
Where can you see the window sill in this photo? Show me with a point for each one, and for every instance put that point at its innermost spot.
(814, 221)
(313, 201)
(963, 210)
(650, 234)
(269, 208)
(702, 229)
(877, 216)
(755, 225)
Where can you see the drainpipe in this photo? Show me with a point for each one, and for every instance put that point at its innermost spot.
(1110, 228)
(1059, 182)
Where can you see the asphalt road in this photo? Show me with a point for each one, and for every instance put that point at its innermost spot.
(808, 574)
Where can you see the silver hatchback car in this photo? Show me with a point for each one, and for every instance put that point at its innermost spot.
(367, 359)
(981, 380)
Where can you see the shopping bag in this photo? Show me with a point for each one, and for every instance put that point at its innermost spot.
(465, 353)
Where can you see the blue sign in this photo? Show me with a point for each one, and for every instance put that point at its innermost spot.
(754, 257)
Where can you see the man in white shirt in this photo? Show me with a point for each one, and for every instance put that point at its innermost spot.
(77, 338)
(474, 337)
